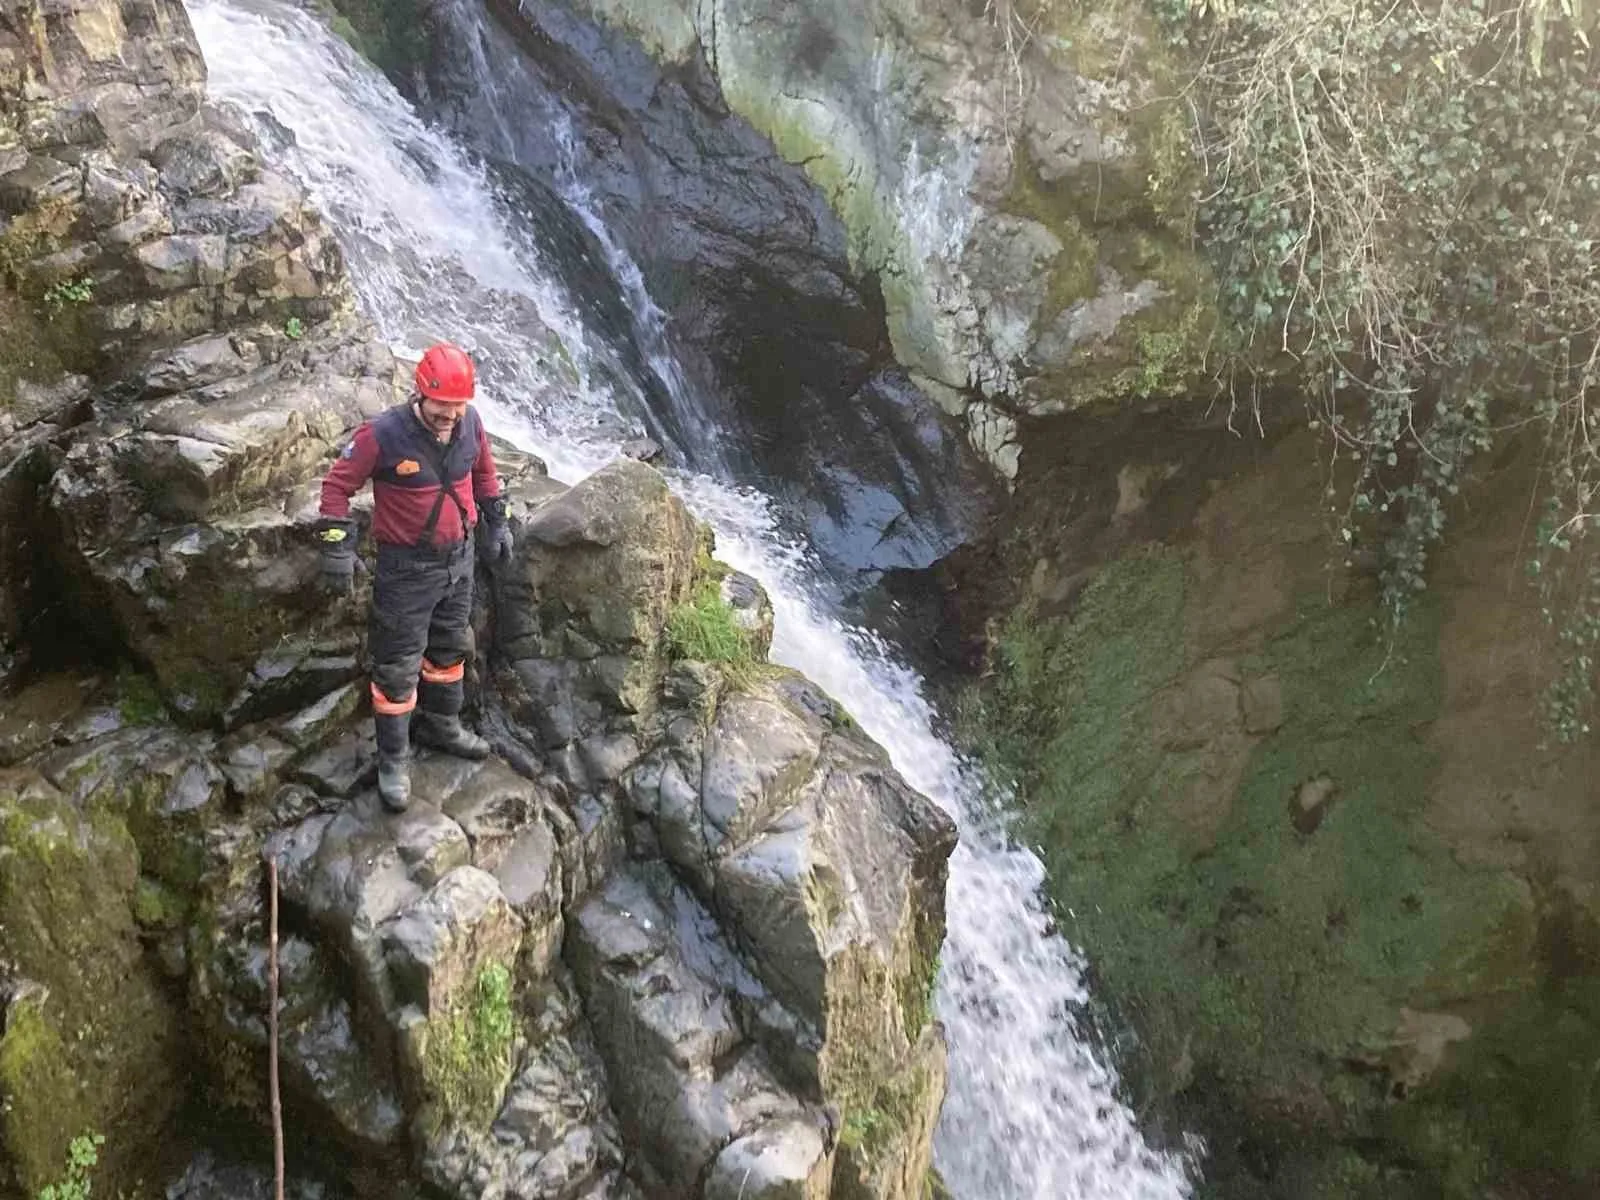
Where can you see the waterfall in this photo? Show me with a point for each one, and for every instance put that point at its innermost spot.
(437, 250)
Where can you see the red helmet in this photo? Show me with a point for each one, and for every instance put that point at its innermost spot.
(445, 374)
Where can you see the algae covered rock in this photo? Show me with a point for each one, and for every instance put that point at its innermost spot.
(1018, 176)
(1320, 862)
(89, 1040)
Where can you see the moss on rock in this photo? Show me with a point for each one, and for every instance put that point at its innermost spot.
(1306, 962)
(467, 1052)
(93, 1046)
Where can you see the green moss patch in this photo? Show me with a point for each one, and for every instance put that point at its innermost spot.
(705, 630)
(95, 1047)
(385, 32)
(467, 1055)
(1264, 956)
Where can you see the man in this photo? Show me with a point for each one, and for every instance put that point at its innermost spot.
(432, 475)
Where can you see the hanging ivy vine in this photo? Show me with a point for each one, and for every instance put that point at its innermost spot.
(1405, 213)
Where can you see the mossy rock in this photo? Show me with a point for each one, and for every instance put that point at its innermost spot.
(385, 32)
(1269, 940)
(885, 1141)
(466, 1053)
(92, 1047)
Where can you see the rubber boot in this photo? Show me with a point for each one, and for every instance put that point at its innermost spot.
(394, 760)
(438, 724)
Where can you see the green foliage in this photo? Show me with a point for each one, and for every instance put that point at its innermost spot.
(294, 329)
(384, 31)
(68, 291)
(868, 1130)
(78, 1180)
(1566, 574)
(1405, 210)
(156, 906)
(469, 1050)
(138, 700)
(705, 629)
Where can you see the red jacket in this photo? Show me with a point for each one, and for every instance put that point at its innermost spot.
(404, 460)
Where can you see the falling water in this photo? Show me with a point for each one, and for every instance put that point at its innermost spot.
(436, 250)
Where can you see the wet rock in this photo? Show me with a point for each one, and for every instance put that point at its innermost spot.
(162, 785)
(318, 719)
(251, 765)
(922, 125)
(207, 163)
(51, 402)
(353, 870)
(607, 757)
(435, 946)
(582, 616)
(758, 753)
(326, 1064)
(751, 608)
(27, 461)
(786, 1160)
(200, 362)
(292, 677)
(209, 1177)
(341, 766)
(656, 986)
(618, 549)
(174, 526)
(554, 1135)
(642, 449)
(757, 276)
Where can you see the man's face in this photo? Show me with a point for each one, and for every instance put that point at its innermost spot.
(440, 418)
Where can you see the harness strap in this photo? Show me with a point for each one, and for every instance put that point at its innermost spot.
(438, 457)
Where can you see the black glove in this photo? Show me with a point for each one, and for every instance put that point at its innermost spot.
(494, 539)
(337, 541)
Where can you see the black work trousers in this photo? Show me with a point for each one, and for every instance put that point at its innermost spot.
(421, 608)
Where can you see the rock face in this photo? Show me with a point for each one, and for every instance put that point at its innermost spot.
(525, 986)
(1328, 870)
(1014, 174)
(143, 245)
(751, 292)
(563, 982)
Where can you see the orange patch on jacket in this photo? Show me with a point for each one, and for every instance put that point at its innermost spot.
(408, 467)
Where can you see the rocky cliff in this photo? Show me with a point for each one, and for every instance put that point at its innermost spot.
(1016, 176)
(678, 936)
(1340, 896)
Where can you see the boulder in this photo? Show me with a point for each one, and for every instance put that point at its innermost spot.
(783, 1160)
(449, 957)
(555, 1135)
(161, 785)
(824, 864)
(328, 1062)
(827, 872)
(663, 991)
(183, 526)
(581, 617)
